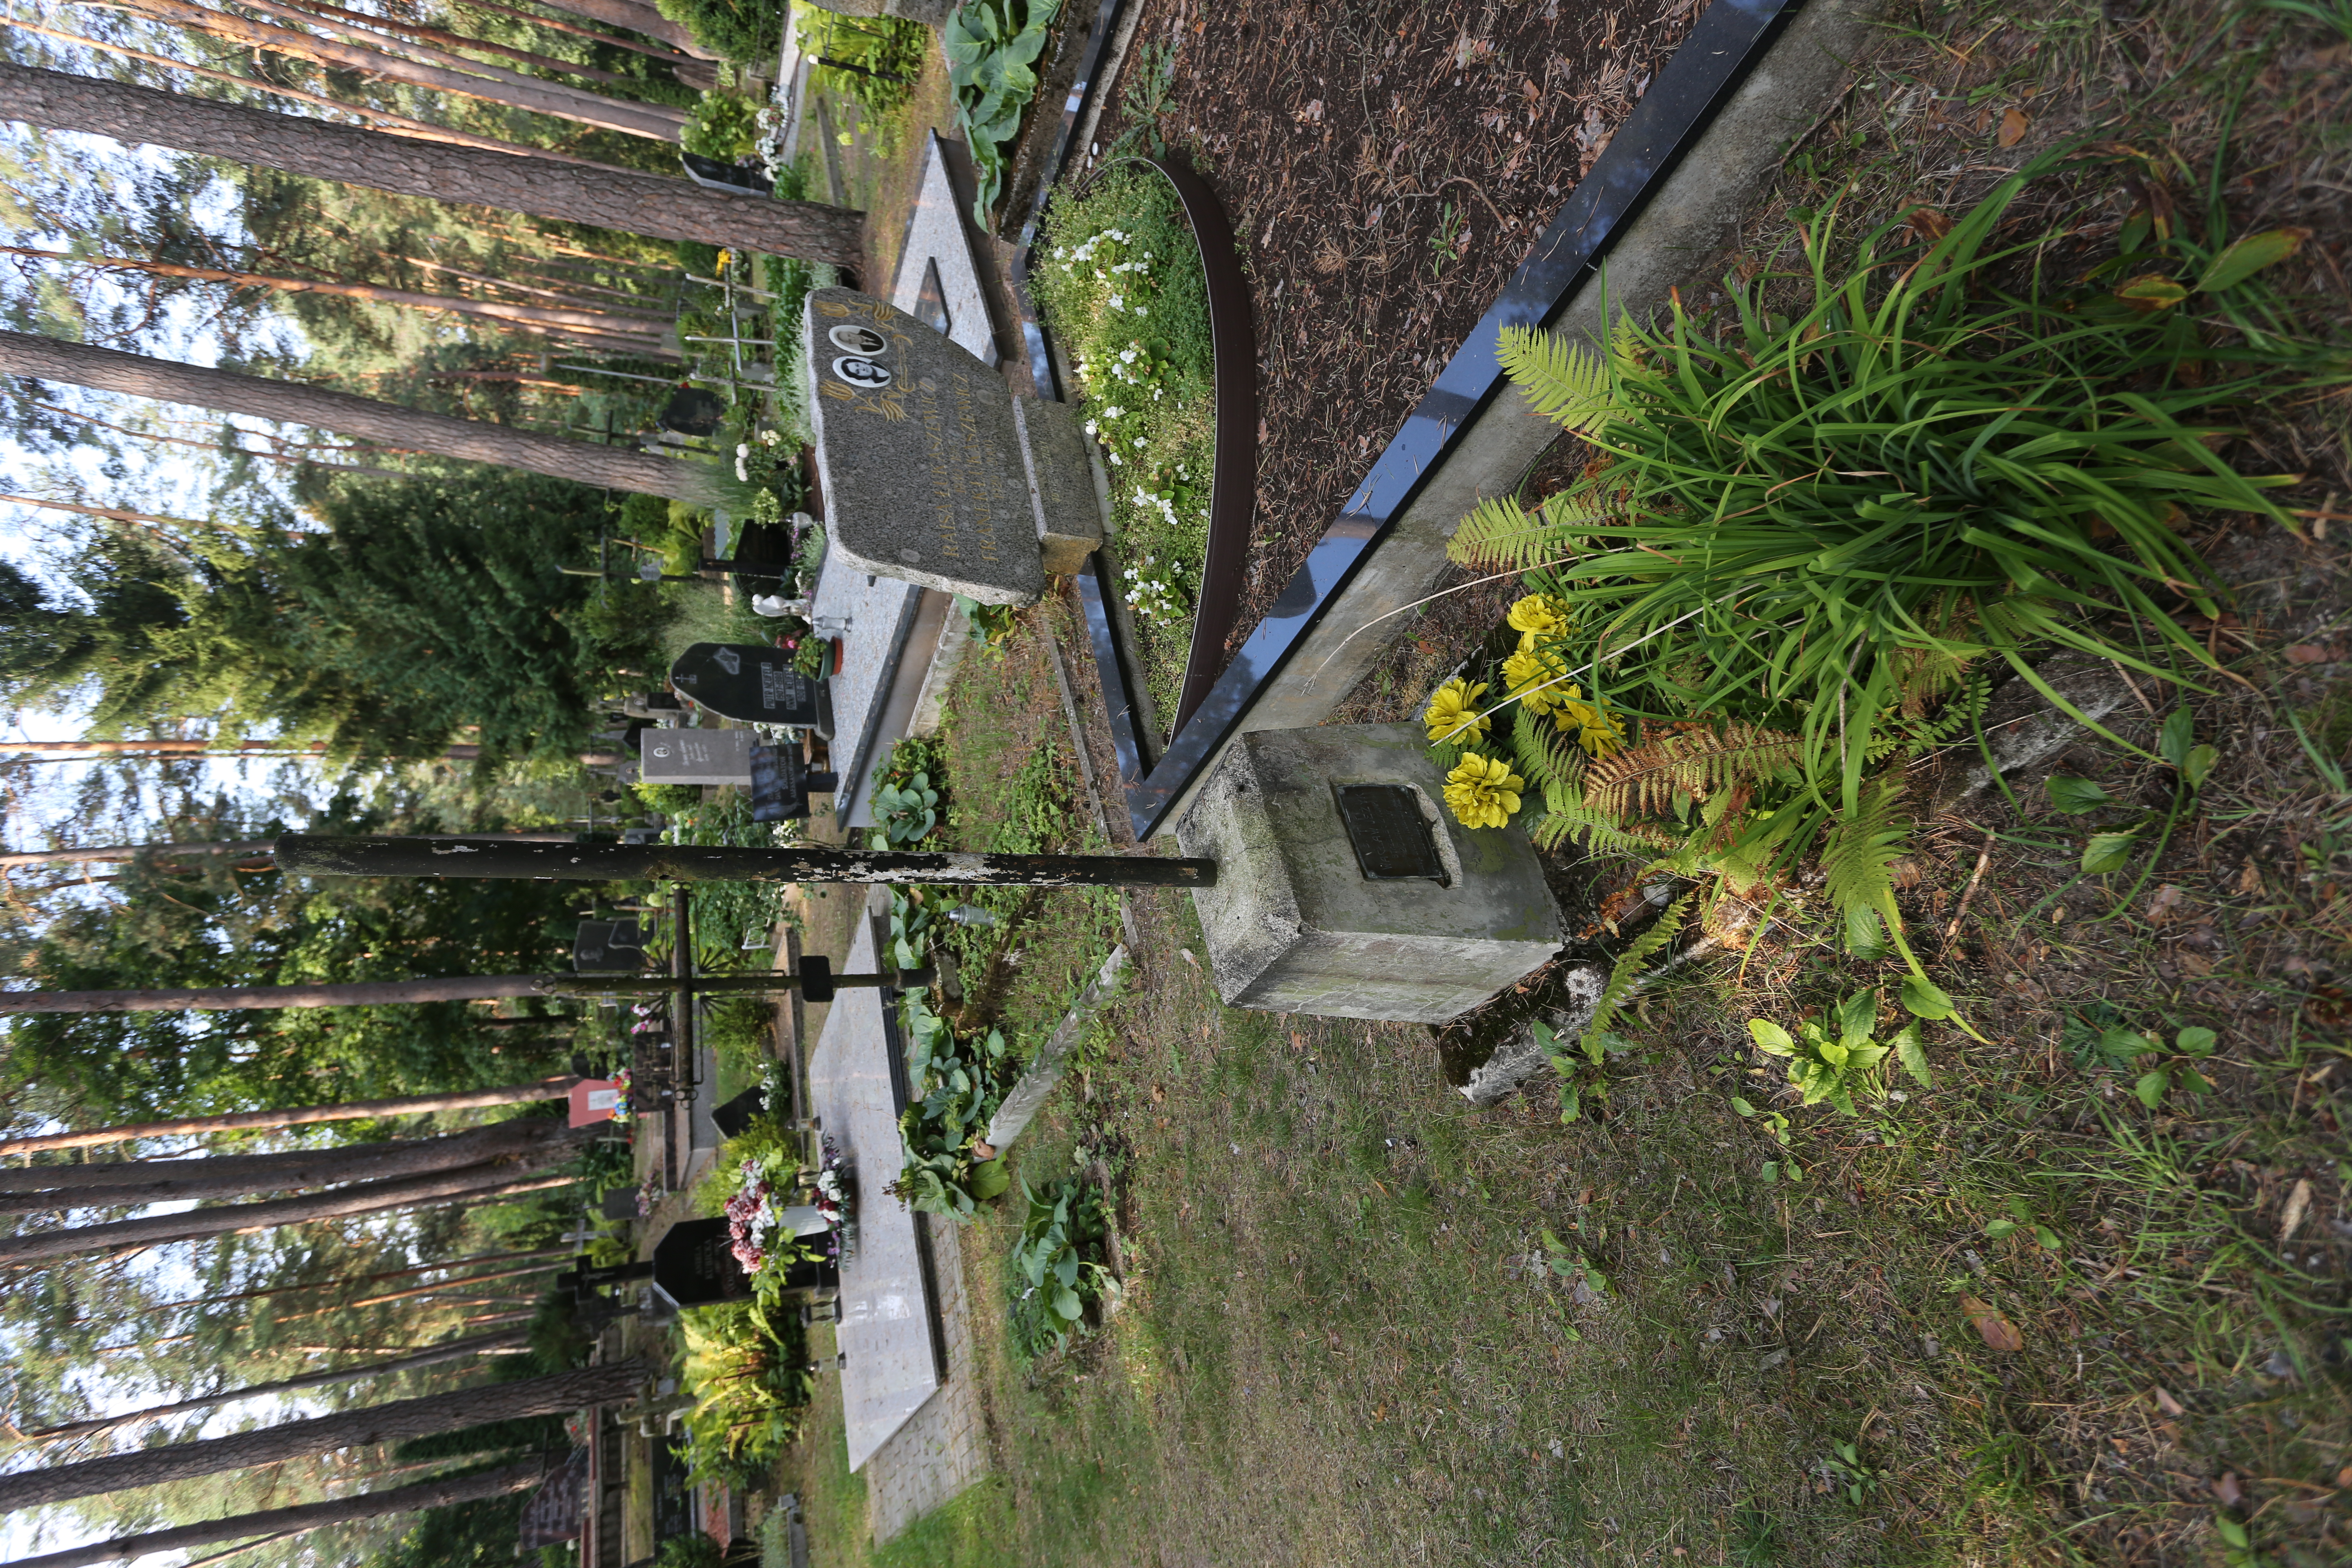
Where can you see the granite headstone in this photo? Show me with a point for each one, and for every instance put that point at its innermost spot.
(609, 947)
(697, 756)
(694, 1265)
(929, 473)
(751, 684)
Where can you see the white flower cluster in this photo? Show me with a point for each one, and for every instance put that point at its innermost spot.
(1151, 589)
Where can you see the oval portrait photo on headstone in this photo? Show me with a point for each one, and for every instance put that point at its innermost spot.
(851, 338)
(860, 372)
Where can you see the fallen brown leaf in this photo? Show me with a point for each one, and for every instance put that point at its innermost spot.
(1159, 1095)
(2250, 881)
(2014, 124)
(1992, 1326)
(2298, 1205)
(2228, 1490)
(2167, 899)
(1926, 225)
(2307, 653)
(2168, 1405)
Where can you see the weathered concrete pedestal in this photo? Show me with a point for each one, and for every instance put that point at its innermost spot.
(1345, 889)
(932, 471)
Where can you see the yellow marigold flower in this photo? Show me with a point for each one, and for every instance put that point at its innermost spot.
(1537, 618)
(1453, 713)
(1483, 791)
(1525, 674)
(1598, 730)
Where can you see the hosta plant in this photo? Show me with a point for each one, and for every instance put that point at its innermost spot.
(992, 47)
(1056, 1269)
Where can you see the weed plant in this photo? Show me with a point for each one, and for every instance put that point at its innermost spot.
(872, 61)
(746, 1371)
(1056, 1268)
(1122, 287)
(1806, 529)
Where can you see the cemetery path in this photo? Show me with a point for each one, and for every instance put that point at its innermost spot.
(1386, 168)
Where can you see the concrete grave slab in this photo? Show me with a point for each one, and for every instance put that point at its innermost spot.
(885, 1328)
(939, 269)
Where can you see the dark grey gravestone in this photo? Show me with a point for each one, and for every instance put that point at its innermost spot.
(609, 947)
(752, 683)
(697, 756)
(693, 411)
(694, 1267)
(621, 1203)
(918, 454)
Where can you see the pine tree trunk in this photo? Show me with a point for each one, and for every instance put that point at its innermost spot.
(279, 1523)
(493, 84)
(638, 18)
(414, 1291)
(36, 1189)
(260, 397)
(293, 1115)
(635, 204)
(458, 41)
(557, 1395)
(244, 848)
(474, 1262)
(455, 1350)
(646, 334)
(476, 1183)
(400, 125)
(239, 998)
(692, 70)
(75, 751)
(147, 520)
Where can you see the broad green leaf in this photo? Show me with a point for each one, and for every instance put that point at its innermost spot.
(2151, 292)
(2048, 1239)
(1923, 998)
(1065, 1267)
(1997, 1228)
(2108, 852)
(2152, 1087)
(1857, 1017)
(2074, 796)
(2178, 734)
(2200, 766)
(1770, 1038)
(2246, 256)
(1912, 1052)
(1771, 1172)
(2196, 1041)
(1742, 1107)
(1068, 1304)
(1865, 933)
(1571, 1102)
(989, 1179)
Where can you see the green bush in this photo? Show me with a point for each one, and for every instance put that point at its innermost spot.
(745, 31)
(723, 125)
(887, 50)
(746, 1370)
(958, 1085)
(670, 800)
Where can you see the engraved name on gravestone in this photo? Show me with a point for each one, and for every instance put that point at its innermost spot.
(918, 454)
(751, 683)
(697, 756)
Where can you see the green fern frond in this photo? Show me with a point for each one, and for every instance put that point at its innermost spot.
(1543, 753)
(1563, 380)
(1691, 764)
(1857, 862)
(1567, 817)
(1499, 535)
(1627, 971)
(1919, 735)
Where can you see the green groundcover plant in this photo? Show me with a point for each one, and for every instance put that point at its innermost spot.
(1810, 529)
(1120, 281)
(992, 47)
(1056, 1269)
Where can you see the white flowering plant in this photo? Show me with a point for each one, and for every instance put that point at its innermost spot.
(1120, 282)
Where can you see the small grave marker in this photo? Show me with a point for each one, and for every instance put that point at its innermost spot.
(609, 947)
(697, 756)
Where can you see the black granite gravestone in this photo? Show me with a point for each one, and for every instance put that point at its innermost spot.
(753, 684)
(621, 1203)
(781, 784)
(693, 411)
(735, 1117)
(609, 947)
(694, 1267)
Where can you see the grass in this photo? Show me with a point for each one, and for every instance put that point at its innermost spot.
(1343, 1339)
(1120, 282)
